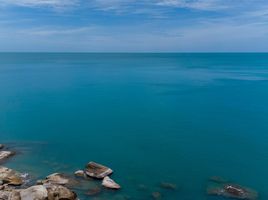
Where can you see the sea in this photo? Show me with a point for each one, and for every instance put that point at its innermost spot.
(156, 119)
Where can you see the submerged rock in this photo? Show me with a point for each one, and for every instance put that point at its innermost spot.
(93, 191)
(96, 170)
(5, 154)
(233, 191)
(10, 177)
(38, 192)
(109, 183)
(156, 195)
(169, 186)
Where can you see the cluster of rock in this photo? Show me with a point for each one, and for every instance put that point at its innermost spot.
(98, 171)
(59, 186)
(223, 188)
(11, 188)
(53, 187)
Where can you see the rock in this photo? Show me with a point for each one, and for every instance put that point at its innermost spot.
(38, 192)
(1, 146)
(156, 195)
(59, 192)
(79, 173)
(5, 195)
(109, 183)
(10, 177)
(96, 170)
(5, 154)
(233, 191)
(57, 178)
(93, 191)
(169, 186)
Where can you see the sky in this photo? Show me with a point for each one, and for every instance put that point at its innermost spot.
(133, 25)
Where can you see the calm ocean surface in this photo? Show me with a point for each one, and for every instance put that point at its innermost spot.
(178, 118)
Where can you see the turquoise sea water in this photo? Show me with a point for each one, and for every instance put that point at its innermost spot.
(178, 118)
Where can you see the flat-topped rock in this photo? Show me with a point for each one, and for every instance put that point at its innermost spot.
(110, 183)
(10, 177)
(96, 170)
(5, 154)
(233, 191)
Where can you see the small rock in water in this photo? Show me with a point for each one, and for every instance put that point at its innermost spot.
(5, 154)
(169, 186)
(233, 191)
(96, 170)
(94, 191)
(1, 146)
(79, 173)
(109, 183)
(156, 195)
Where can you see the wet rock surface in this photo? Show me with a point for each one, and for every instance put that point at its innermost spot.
(1, 146)
(98, 171)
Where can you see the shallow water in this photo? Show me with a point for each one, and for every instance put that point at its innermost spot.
(178, 118)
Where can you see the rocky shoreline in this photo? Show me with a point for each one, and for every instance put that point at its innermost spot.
(59, 186)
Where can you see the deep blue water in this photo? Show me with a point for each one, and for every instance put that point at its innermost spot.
(153, 118)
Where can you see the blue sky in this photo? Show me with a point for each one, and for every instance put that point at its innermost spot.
(134, 25)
